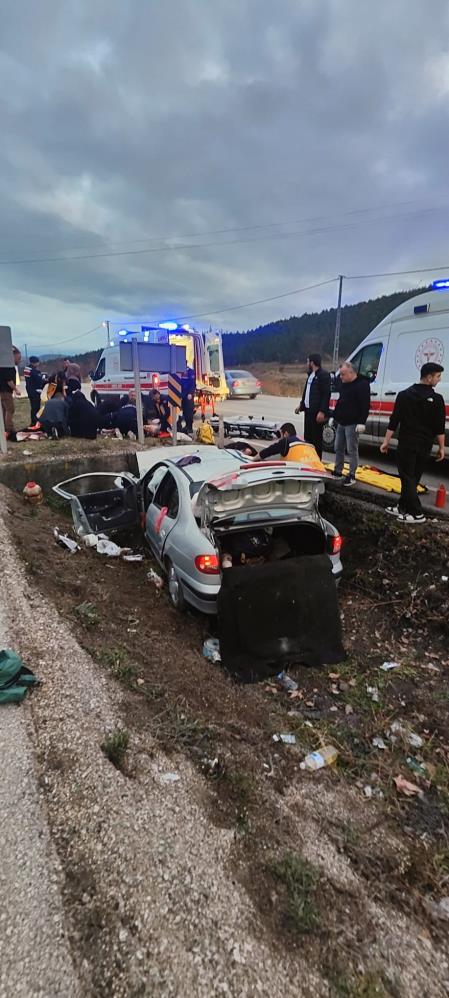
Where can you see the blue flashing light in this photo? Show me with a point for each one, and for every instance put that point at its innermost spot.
(186, 327)
(441, 285)
(168, 325)
(123, 332)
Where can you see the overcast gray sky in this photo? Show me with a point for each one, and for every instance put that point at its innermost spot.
(144, 125)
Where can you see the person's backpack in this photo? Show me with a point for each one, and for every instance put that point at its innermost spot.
(205, 434)
(15, 678)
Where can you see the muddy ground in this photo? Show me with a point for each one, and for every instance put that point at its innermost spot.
(395, 607)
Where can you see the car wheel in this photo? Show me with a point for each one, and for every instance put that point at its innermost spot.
(174, 588)
(329, 438)
(94, 397)
(252, 396)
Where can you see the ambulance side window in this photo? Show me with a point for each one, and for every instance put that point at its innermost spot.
(366, 361)
(100, 370)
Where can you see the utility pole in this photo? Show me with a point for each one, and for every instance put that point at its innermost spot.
(137, 385)
(337, 326)
(26, 353)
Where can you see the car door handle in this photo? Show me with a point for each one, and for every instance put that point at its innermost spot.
(373, 393)
(390, 393)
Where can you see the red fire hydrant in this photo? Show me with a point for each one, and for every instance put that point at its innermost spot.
(440, 499)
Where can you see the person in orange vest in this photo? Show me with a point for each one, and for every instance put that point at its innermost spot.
(290, 447)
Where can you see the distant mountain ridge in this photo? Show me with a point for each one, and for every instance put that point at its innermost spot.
(288, 341)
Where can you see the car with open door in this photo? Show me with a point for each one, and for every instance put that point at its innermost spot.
(204, 510)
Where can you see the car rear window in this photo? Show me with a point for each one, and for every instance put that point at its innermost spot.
(240, 374)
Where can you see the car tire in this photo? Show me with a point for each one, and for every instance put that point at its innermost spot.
(94, 397)
(329, 438)
(175, 592)
(252, 396)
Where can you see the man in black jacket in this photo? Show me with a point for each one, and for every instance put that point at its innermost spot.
(351, 414)
(34, 383)
(420, 414)
(315, 402)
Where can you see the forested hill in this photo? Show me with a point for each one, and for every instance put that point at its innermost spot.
(289, 340)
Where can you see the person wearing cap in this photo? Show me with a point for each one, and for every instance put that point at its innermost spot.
(419, 415)
(34, 383)
(315, 402)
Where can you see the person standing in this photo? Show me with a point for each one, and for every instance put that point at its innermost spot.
(34, 383)
(188, 385)
(8, 389)
(315, 402)
(420, 414)
(72, 370)
(351, 414)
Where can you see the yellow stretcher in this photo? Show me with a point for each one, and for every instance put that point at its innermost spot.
(374, 476)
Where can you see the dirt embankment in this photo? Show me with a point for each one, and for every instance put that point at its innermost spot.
(333, 884)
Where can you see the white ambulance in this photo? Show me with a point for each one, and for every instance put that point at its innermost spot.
(163, 349)
(393, 353)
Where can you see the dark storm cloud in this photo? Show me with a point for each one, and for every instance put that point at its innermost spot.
(125, 122)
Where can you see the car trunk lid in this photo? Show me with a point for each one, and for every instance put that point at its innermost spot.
(259, 488)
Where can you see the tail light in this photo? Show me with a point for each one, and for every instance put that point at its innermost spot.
(208, 563)
(258, 384)
(335, 543)
(155, 380)
(236, 384)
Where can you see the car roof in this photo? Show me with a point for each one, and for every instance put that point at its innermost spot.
(216, 461)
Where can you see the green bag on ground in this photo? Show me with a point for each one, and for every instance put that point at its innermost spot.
(15, 678)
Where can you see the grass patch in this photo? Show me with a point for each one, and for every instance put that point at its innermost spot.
(368, 985)
(115, 747)
(88, 614)
(299, 879)
(117, 662)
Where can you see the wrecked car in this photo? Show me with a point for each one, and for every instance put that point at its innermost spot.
(205, 510)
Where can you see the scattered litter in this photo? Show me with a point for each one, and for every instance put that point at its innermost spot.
(368, 791)
(152, 576)
(211, 649)
(170, 777)
(387, 666)
(317, 760)
(407, 788)
(89, 540)
(334, 675)
(65, 541)
(296, 695)
(140, 681)
(133, 557)
(286, 683)
(414, 740)
(33, 494)
(417, 767)
(373, 693)
(371, 792)
(211, 766)
(333, 709)
(29, 453)
(379, 743)
(286, 739)
(105, 546)
(444, 578)
(349, 709)
(443, 907)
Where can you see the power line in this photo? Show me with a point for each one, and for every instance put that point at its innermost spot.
(200, 246)
(394, 273)
(80, 335)
(251, 228)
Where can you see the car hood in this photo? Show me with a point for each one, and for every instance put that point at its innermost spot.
(258, 488)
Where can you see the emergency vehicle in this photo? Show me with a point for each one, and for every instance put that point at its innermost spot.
(163, 349)
(392, 355)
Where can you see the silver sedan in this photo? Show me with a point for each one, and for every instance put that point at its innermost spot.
(241, 384)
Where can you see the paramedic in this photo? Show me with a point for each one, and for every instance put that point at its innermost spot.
(188, 398)
(351, 414)
(158, 409)
(284, 446)
(419, 412)
(315, 402)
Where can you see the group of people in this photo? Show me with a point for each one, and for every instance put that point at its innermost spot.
(418, 416)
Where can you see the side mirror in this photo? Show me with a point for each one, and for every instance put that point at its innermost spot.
(92, 375)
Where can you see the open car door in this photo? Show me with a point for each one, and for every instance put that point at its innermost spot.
(102, 502)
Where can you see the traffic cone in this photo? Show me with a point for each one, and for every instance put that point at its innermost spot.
(440, 500)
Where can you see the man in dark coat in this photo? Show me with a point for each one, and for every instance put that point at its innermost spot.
(315, 402)
(82, 416)
(34, 383)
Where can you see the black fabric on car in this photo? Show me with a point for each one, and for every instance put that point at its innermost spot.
(278, 614)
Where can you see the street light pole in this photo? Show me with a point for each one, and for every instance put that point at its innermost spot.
(337, 326)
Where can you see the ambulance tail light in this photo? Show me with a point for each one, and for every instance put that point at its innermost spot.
(335, 543)
(155, 380)
(208, 564)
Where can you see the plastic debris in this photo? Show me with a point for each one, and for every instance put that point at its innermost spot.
(414, 740)
(170, 777)
(65, 541)
(349, 709)
(132, 557)
(443, 907)
(387, 666)
(33, 494)
(285, 683)
(105, 546)
(417, 767)
(368, 791)
(379, 743)
(405, 787)
(286, 739)
(317, 760)
(152, 576)
(211, 650)
(373, 693)
(444, 578)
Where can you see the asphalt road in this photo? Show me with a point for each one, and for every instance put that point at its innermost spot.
(281, 410)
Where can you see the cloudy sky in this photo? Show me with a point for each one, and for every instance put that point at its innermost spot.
(168, 159)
